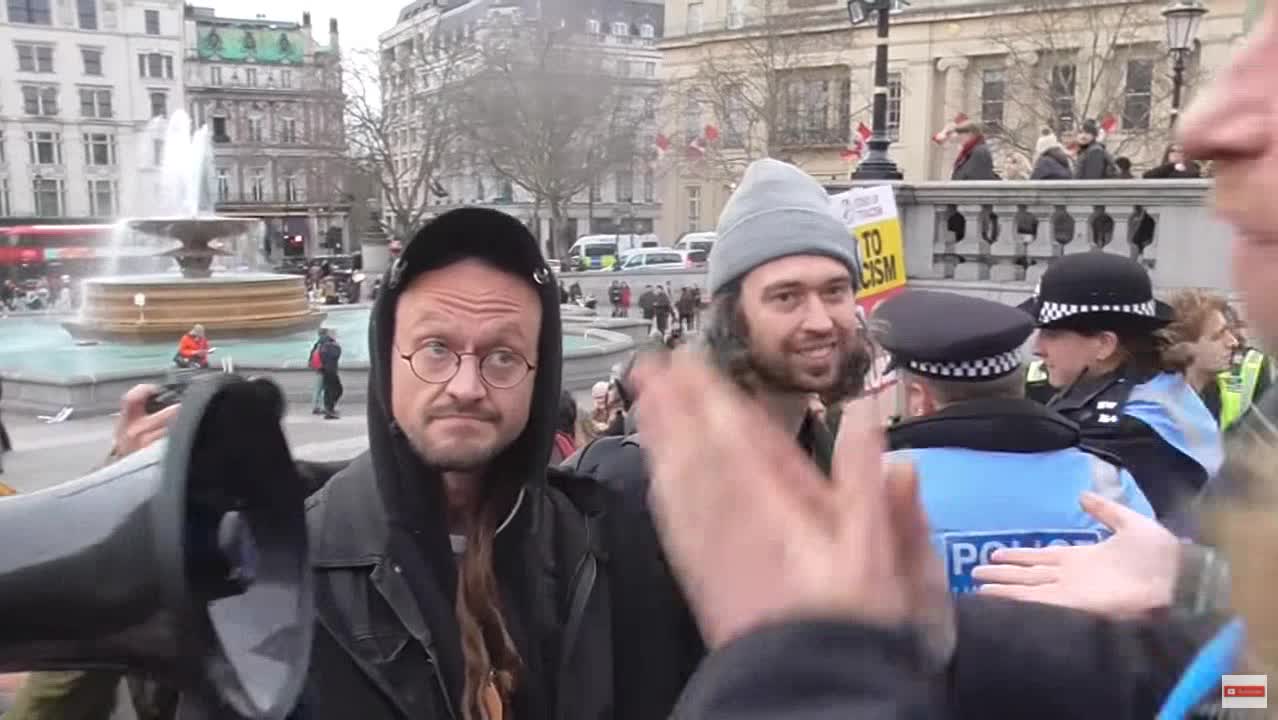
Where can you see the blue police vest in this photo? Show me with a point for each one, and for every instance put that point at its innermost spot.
(1171, 408)
(978, 501)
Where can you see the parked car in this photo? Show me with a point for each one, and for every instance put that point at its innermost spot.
(652, 259)
(697, 241)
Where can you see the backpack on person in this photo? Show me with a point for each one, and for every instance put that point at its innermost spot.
(316, 362)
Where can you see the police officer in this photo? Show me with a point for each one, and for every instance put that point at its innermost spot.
(1098, 339)
(995, 468)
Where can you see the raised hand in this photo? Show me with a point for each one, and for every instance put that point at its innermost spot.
(1126, 575)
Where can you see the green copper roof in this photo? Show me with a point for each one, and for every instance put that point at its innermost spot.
(251, 45)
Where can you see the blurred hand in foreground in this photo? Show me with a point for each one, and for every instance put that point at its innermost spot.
(136, 429)
(753, 530)
(1127, 575)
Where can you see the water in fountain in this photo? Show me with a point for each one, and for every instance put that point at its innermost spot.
(210, 250)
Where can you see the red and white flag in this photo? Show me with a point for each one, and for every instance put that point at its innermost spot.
(662, 144)
(859, 143)
(948, 130)
(711, 134)
(1108, 124)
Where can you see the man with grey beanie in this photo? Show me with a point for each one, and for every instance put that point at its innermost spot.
(783, 324)
(783, 318)
(782, 321)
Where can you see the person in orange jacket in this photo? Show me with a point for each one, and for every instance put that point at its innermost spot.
(193, 349)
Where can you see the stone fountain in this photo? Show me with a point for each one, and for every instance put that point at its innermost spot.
(142, 308)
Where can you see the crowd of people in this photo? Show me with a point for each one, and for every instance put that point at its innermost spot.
(733, 554)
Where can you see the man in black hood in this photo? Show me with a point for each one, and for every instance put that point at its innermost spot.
(457, 578)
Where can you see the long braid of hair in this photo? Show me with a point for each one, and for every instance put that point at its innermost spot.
(489, 653)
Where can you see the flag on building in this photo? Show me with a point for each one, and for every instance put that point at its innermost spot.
(860, 142)
(662, 145)
(711, 134)
(1108, 124)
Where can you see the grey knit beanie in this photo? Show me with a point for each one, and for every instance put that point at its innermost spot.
(777, 211)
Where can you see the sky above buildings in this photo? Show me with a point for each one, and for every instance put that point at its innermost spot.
(358, 23)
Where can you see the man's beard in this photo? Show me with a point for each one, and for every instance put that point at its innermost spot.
(781, 371)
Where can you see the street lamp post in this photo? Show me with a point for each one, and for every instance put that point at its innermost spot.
(877, 165)
(1183, 18)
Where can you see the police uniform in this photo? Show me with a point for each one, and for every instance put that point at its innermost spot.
(996, 472)
(1152, 420)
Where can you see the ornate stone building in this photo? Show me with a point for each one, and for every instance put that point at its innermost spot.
(272, 97)
(621, 34)
(793, 79)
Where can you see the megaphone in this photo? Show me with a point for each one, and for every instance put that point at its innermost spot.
(186, 561)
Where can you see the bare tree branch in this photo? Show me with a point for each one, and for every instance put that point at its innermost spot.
(401, 123)
(1067, 60)
(550, 111)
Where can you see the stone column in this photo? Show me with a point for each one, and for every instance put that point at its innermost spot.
(954, 69)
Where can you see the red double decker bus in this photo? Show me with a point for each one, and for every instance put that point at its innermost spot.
(29, 252)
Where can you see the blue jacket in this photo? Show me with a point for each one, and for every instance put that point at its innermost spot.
(1156, 425)
(1006, 473)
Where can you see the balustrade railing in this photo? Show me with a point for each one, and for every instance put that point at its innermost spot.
(1008, 232)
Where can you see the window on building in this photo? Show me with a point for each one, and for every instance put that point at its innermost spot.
(152, 22)
(257, 185)
(35, 58)
(694, 17)
(215, 75)
(92, 58)
(45, 148)
(993, 96)
(596, 191)
(895, 91)
(31, 12)
(286, 78)
(156, 66)
(292, 189)
(3, 158)
(817, 107)
(731, 124)
(691, 121)
(649, 189)
(650, 69)
(99, 149)
(1138, 95)
(102, 198)
(87, 10)
(220, 134)
(592, 26)
(620, 28)
(625, 186)
(223, 185)
(40, 100)
(250, 77)
(50, 197)
(5, 207)
(736, 13)
(157, 152)
(692, 198)
(288, 131)
(96, 103)
(647, 30)
(159, 103)
(1063, 85)
(255, 129)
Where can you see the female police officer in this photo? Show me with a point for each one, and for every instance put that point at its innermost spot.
(1098, 339)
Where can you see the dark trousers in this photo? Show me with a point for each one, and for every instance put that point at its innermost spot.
(332, 389)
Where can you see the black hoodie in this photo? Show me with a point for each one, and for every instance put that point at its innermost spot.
(386, 573)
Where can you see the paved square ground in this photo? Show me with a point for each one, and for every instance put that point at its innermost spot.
(45, 455)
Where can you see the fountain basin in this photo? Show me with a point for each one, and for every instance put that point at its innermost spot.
(44, 370)
(230, 305)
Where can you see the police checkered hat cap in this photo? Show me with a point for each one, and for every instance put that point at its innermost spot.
(949, 336)
(1097, 290)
